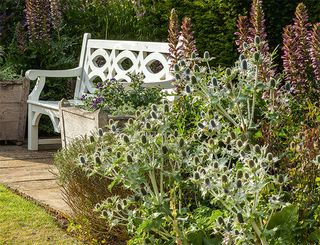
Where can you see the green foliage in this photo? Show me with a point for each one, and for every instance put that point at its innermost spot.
(111, 96)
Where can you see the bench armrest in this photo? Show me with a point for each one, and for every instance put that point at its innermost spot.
(34, 74)
(41, 76)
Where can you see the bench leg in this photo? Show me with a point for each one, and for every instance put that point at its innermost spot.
(33, 138)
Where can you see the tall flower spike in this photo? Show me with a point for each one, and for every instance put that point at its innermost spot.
(257, 21)
(173, 38)
(242, 33)
(289, 56)
(315, 50)
(56, 16)
(21, 38)
(186, 36)
(302, 35)
(38, 20)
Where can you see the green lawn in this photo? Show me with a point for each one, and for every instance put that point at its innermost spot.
(23, 222)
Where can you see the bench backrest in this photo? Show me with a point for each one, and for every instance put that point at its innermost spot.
(105, 59)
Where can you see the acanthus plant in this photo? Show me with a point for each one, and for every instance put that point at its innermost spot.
(41, 17)
(248, 29)
(315, 50)
(301, 52)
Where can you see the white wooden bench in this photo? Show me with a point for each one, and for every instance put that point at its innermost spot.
(112, 53)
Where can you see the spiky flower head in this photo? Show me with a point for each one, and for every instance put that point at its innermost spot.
(173, 38)
(187, 38)
(315, 50)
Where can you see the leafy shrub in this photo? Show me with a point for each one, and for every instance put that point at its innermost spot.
(83, 192)
(111, 96)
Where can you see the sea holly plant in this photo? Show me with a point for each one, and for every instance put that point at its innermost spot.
(239, 94)
(234, 176)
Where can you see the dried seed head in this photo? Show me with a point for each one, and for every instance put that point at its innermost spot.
(119, 206)
(244, 65)
(176, 67)
(129, 158)
(193, 80)
(207, 181)
(98, 160)
(154, 115)
(143, 139)
(256, 56)
(257, 149)
(206, 55)
(214, 81)
(196, 68)
(164, 149)
(239, 174)
(126, 138)
(232, 135)
(188, 89)
(242, 154)
(82, 160)
(280, 179)
(239, 183)
(228, 72)
(212, 123)
(224, 178)
(100, 132)
(200, 125)
(118, 154)
(148, 125)
(166, 108)
(181, 142)
(272, 83)
(184, 154)
(318, 159)
(91, 138)
(239, 143)
(251, 163)
(240, 218)
(196, 159)
(113, 128)
(228, 140)
(270, 156)
(257, 40)
(287, 86)
(154, 107)
(143, 191)
(196, 175)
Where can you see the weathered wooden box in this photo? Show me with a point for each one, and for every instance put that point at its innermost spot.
(76, 122)
(13, 109)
